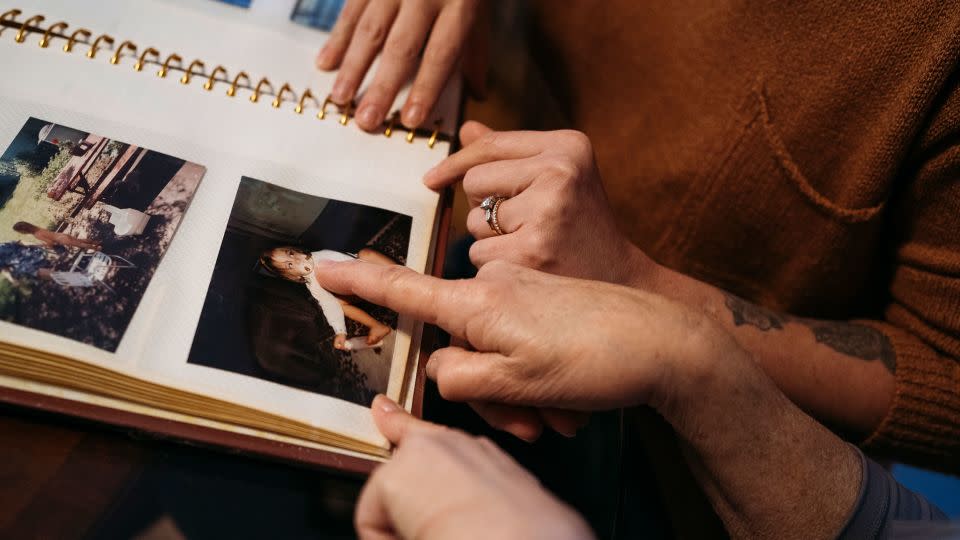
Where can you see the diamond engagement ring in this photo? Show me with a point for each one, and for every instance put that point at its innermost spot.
(491, 205)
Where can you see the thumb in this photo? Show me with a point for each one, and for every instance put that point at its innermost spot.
(471, 131)
(395, 423)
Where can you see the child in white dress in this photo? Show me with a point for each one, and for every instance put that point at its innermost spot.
(294, 264)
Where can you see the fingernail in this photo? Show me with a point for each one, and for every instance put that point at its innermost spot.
(568, 433)
(368, 116)
(324, 55)
(385, 404)
(431, 368)
(413, 116)
(339, 92)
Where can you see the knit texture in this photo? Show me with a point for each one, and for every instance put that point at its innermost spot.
(804, 155)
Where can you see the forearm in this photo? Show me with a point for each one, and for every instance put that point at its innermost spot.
(768, 469)
(841, 372)
(359, 315)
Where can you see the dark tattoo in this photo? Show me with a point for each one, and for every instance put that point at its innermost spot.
(851, 339)
(854, 340)
(746, 313)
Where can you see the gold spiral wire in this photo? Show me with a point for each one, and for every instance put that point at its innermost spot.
(10, 14)
(143, 58)
(52, 29)
(307, 94)
(391, 123)
(166, 65)
(102, 38)
(285, 89)
(232, 91)
(115, 59)
(76, 35)
(189, 72)
(32, 21)
(345, 112)
(198, 68)
(255, 97)
(208, 86)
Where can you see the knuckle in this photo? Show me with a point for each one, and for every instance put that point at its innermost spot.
(401, 49)
(577, 141)
(491, 141)
(471, 180)
(351, 11)
(562, 169)
(372, 30)
(556, 209)
(493, 270)
(501, 293)
(393, 276)
(441, 56)
(395, 281)
(538, 253)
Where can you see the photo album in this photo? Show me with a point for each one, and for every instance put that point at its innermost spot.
(170, 172)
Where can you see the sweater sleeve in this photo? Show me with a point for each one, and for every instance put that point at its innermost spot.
(922, 316)
(330, 307)
(884, 502)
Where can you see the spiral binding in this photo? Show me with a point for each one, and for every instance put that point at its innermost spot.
(197, 68)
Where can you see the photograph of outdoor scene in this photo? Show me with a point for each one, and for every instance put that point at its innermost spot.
(84, 222)
(266, 316)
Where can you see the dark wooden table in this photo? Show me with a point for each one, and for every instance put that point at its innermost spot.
(64, 478)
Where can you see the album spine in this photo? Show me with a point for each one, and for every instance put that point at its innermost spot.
(238, 82)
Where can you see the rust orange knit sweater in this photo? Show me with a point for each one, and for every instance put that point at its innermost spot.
(804, 155)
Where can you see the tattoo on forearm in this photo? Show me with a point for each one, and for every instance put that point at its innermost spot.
(851, 339)
(746, 313)
(854, 340)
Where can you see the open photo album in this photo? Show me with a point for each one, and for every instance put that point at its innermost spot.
(164, 195)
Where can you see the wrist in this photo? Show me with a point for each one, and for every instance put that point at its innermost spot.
(639, 270)
(692, 373)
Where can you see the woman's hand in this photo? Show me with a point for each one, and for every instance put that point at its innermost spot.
(340, 342)
(544, 341)
(398, 30)
(443, 483)
(557, 217)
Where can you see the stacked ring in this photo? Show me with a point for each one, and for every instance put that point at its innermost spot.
(491, 205)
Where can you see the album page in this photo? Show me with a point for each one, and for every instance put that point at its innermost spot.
(168, 233)
(259, 42)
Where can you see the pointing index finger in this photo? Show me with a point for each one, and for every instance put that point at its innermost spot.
(444, 303)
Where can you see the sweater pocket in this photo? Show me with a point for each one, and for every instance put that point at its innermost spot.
(754, 224)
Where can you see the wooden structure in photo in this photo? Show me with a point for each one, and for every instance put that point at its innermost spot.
(75, 176)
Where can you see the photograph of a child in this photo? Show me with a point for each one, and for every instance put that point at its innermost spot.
(84, 223)
(266, 315)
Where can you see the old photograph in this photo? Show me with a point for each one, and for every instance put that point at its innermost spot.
(84, 222)
(266, 315)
